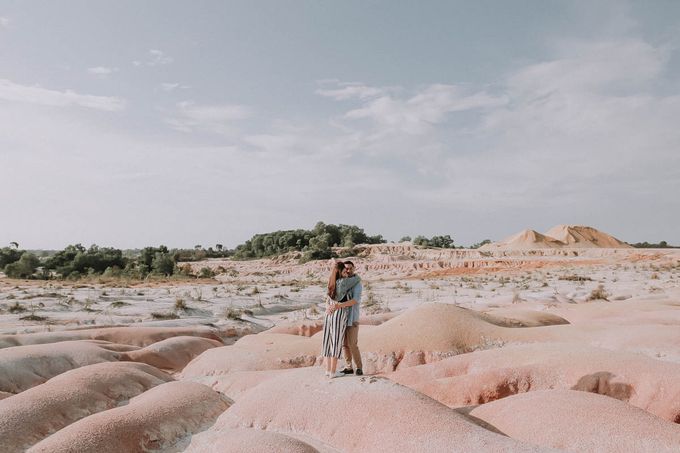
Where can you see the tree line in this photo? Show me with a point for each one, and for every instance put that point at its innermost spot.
(76, 261)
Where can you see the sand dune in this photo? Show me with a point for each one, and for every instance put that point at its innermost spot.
(158, 419)
(172, 353)
(23, 367)
(484, 376)
(252, 440)
(584, 236)
(136, 336)
(338, 411)
(32, 415)
(580, 421)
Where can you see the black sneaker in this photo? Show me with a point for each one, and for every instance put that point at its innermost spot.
(359, 372)
(347, 371)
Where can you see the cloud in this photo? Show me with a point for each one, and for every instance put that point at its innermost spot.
(219, 118)
(11, 91)
(421, 112)
(4, 22)
(155, 57)
(168, 86)
(102, 71)
(351, 91)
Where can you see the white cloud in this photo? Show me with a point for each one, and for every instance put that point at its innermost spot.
(428, 107)
(102, 71)
(155, 57)
(11, 91)
(169, 86)
(158, 57)
(351, 91)
(218, 118)
(4, 22)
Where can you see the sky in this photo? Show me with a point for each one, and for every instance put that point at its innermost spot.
(127, 123)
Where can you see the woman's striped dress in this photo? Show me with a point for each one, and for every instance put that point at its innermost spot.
(334, 326)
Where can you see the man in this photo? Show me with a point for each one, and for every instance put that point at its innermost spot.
(350, 347)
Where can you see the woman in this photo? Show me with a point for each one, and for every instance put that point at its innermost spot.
(337, 311)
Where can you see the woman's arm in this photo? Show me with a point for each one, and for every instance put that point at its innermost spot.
(349, 303)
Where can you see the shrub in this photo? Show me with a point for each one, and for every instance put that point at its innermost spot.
(17, 308)
(25, 267)
(164, 315)
(206, 272)
(599, 293)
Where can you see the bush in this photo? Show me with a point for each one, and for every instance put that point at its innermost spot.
(24, 268)
(9, 255)
(316, 243)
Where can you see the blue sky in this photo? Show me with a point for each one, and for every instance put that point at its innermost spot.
(135, 123)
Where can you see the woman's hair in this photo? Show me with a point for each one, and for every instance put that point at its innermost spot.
(335, 275)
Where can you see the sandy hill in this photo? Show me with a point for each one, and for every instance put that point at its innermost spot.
(560, 236)
(584, 236)
(525, 240)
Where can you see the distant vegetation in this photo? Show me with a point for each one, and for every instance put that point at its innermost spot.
(444, 242)
(660, 245)
(76, 261)
(315, 244)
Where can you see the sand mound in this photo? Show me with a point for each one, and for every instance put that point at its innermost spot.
(23, 367)
(30, 416)
(155, 420)
(173, 353)
(283, 405)
(484, 376)
(136, 336)
(305, 328)
(263, 351)
(580, 421)
(245, 439)
(584, 237)
(524, 318)
(421, 335)
(235, 384)
(525, 240)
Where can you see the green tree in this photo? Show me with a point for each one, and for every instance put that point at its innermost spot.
(25, 267)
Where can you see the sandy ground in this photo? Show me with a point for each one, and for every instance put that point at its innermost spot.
(603, 321)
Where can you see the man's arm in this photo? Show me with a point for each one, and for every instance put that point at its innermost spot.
(345, 284)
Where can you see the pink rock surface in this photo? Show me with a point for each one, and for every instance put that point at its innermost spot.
(235, 384)
(172, 353)
(421, 335)
(263, 351)
(250, 440)
(305, 328)
(157, 419)
(580, 421)
(30, 416)
(484, 376)
(334, 413)
(23, 367)
(135, 336)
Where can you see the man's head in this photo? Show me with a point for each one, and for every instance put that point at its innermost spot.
(349, 268)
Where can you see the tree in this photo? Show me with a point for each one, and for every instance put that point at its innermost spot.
(421, 240)
(219, 247)
(480, 244)
(24, 268)
(405, 239)
(9, 255)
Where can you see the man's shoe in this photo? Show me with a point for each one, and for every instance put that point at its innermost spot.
(359, 372)
(347, 371)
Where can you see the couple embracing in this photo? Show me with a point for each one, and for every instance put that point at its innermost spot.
(341, 323)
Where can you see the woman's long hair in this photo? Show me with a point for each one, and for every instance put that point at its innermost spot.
(336, 272)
